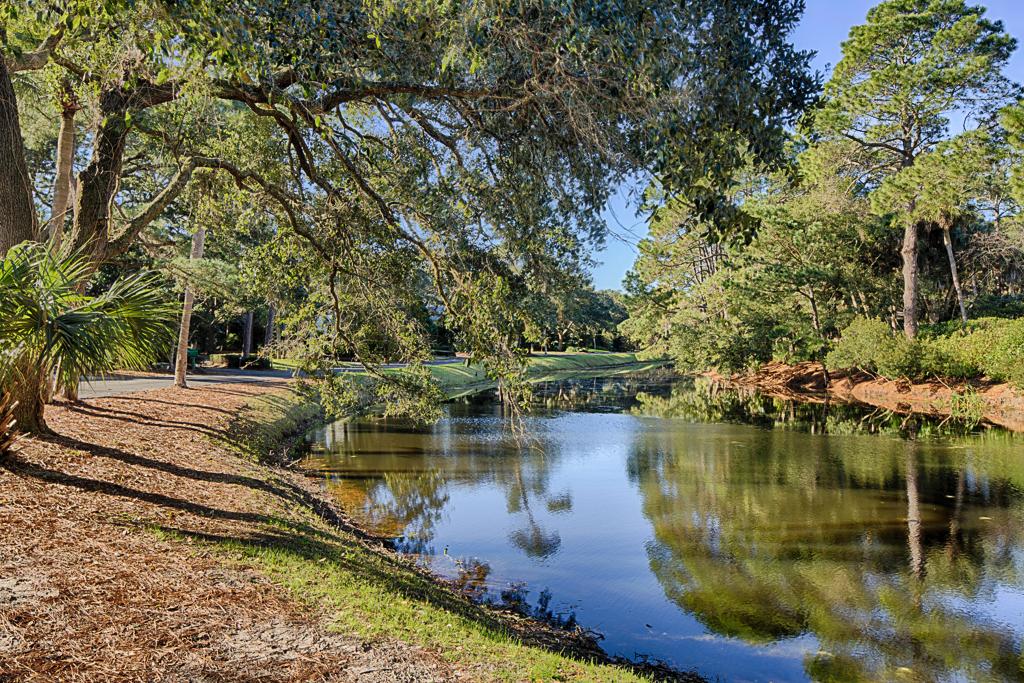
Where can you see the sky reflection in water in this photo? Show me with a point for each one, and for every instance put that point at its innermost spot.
(745, 552)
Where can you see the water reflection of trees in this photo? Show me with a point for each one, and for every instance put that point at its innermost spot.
(396, 477)
(853, 540)
(701, 399)
(600, 394)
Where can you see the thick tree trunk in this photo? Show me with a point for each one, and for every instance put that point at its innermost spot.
(948, 242)
(28, 390)
(62, 182)
(910, 272)
(247, 336)
(97, 183)
(17, 214)
(181, 363)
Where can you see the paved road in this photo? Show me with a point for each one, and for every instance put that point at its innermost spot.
(119, 384)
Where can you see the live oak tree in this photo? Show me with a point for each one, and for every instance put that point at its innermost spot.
(904, 73)
(458, 143)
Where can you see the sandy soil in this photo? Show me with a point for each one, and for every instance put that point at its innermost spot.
(998, 404)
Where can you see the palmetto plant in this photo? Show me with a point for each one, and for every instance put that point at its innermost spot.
(49, 328)
(7, 421)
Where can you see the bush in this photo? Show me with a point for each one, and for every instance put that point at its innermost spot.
(871, 346)
(986, 347)
(992, 306)
(1005, 362)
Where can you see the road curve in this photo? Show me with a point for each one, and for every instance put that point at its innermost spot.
(124, 383)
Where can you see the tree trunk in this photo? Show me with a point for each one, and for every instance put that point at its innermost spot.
(910, 271)
(181, 363)
(948, 242)
(914, 545)
(28, 390)
(247, 336)
(17, 214)
(268, 334)
(62, 182)
(71, 393)
(97, 183)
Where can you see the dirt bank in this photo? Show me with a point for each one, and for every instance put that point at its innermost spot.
(975, 401)
(135, 545)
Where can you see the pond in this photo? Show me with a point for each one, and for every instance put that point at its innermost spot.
(742, 537)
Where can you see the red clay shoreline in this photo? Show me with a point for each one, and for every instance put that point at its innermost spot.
(991, 403)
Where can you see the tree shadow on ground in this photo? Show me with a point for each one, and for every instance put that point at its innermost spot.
(397, 577)
(135, 398)
(24, 468)
(284, 490)
(141, 419)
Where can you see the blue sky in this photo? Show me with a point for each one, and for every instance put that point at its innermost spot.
(825, 25)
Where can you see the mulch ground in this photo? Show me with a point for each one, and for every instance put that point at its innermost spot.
(89, 593)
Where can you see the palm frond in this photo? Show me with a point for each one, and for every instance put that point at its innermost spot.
(46, 321)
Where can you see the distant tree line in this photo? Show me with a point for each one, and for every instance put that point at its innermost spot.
(891, 238)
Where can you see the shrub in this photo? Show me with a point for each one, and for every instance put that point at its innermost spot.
(990, 305)
(968, 407)
(1005, 362)
(234, 361)
(990, 347)
(871, 346)
(987, 347)
(50, 329)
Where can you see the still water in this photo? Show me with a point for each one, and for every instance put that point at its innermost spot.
(766, 551)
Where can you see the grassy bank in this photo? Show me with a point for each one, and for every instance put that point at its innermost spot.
(271, 424)
(459, 380)
(370, 592)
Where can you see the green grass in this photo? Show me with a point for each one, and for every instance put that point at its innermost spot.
(284, 364)
(269, 423)
(293, 364)
(458, 379)
(371, 595)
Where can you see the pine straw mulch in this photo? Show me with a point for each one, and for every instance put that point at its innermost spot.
(88, 594)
